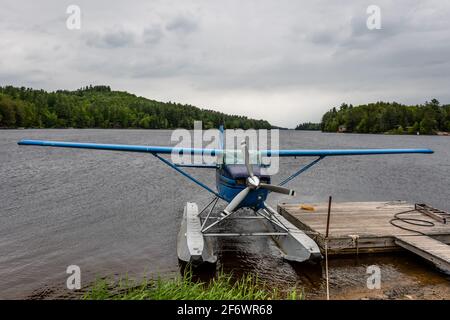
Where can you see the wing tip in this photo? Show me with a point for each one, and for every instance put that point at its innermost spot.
(22, 142)
(26, 142)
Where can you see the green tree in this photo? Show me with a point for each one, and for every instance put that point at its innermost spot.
(427, 125)
(98, 106)
(50, 119)
(7, 112)
(363, 126)
(392, 117)
(145, 122)
(414, 129)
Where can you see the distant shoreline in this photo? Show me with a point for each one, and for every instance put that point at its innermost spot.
(438, 134)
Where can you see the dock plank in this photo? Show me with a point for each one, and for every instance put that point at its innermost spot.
(428, 248)
(357, 227)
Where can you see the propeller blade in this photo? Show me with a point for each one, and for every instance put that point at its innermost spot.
(277, 189)
(236, 201)
(246, 154)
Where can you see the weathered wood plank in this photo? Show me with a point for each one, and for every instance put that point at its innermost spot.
(428, 248)
(361, 226)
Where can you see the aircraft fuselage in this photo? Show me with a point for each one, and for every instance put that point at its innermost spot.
(231, 179)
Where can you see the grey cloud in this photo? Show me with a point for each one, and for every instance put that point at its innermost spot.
(111, 39)
(35, 78)
(235, 55)
(182, 24)
(153, 34)
(323, 37)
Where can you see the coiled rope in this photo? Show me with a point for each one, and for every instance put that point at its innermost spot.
(410, 221)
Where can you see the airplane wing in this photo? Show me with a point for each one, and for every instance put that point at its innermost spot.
(339, 152)
(118, 147)
(213, 152)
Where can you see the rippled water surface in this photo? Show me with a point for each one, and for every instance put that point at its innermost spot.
(117, 213)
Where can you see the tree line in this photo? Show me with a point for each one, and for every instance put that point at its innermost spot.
(100, 107)
(308, 126)
(385, 117)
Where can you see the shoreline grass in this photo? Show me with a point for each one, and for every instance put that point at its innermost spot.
(222, 287)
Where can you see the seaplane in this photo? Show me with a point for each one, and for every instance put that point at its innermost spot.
(244, 186)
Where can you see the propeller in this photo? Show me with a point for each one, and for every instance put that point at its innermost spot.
(253, 183)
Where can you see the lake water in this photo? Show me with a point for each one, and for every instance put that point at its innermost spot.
(115, 213)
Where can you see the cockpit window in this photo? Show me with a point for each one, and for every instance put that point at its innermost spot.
(237, 157)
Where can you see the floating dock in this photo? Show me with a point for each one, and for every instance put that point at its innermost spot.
(368, 227)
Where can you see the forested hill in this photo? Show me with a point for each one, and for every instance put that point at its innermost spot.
(308, 126)
(385, 117)
(99, 107)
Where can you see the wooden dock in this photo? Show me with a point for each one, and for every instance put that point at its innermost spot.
(364, 227)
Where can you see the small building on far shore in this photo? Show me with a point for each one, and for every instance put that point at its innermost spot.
(342, 128)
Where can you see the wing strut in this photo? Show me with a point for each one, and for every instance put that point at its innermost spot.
(187, 175)
(302, 169)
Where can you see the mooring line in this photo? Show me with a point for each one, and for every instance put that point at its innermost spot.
(411, 221)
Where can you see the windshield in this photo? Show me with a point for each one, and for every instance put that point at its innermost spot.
(237, 157)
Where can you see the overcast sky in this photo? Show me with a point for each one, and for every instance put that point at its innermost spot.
(283, 61)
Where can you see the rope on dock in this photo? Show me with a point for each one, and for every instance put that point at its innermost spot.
(355, 242)
(411, 221)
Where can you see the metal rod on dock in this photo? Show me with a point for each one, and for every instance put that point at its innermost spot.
(328, 217)
(326, 247)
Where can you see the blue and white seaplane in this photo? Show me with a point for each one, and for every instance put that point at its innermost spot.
(241, 185)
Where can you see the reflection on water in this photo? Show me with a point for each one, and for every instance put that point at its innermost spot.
(115, 213)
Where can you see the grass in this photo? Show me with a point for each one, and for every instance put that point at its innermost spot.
(222, 287)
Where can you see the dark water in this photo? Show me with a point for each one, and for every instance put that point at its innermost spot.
(115, 213)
